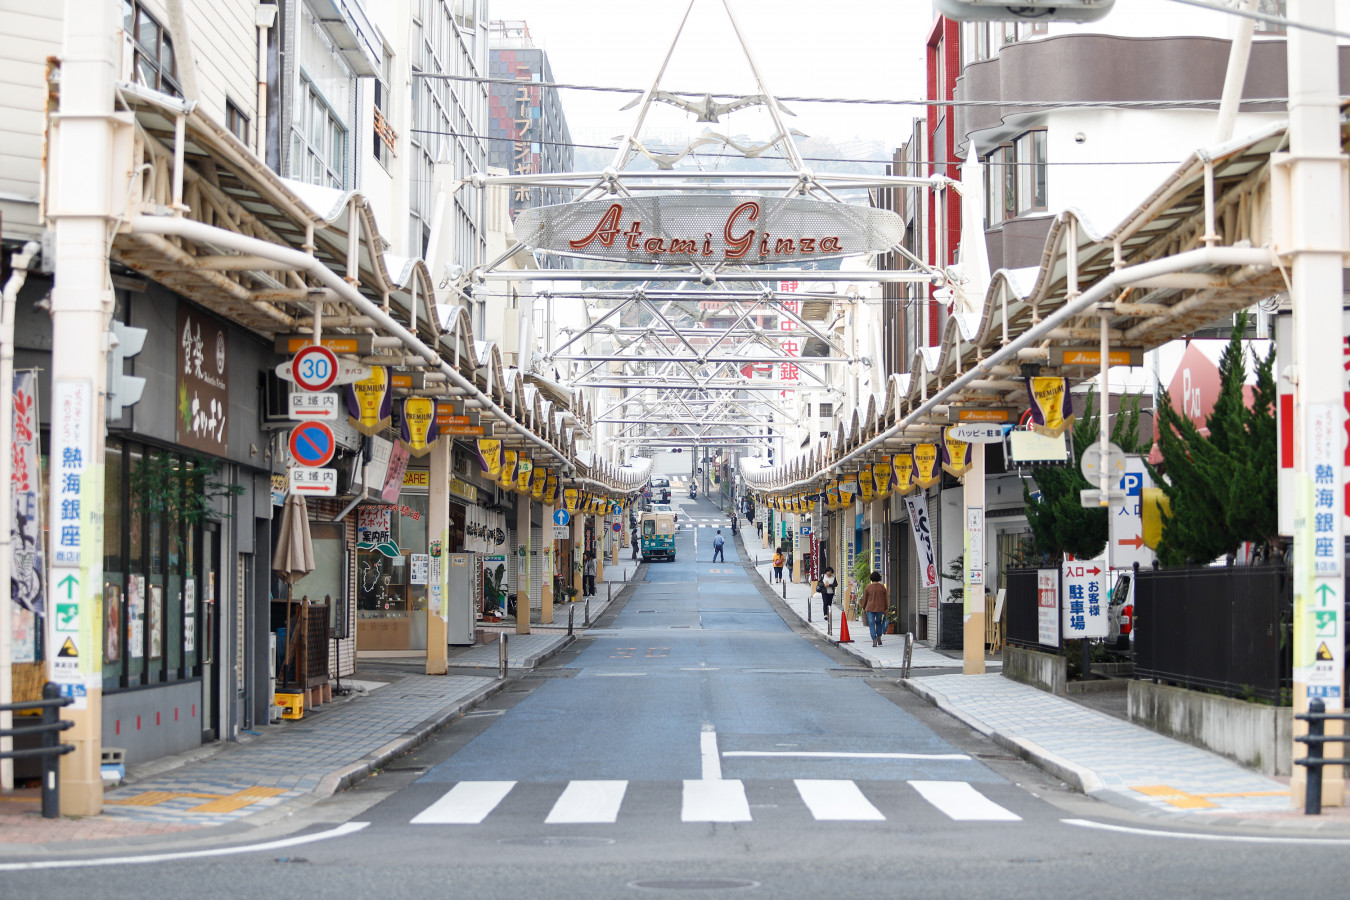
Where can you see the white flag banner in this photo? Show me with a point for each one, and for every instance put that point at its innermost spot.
(917, 504)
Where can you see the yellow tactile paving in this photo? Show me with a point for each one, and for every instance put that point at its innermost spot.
(1174, 797)
(238, 800)
(154, 798)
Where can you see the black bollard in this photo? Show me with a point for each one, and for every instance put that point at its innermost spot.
(51, 759)
(1312, 804)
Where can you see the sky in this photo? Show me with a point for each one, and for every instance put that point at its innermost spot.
(835, 48)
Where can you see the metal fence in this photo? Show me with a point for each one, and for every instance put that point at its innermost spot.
(1225, 629)
(1022, 617)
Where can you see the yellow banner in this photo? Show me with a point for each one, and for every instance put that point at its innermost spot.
(490, 456)
(570, 499)
(540, 479)
(419, 425)
(832, 495)
(866, 484)
(551, 488)
(955, 454)
(881, 478)
(926, 472)
(902, 473)
(524, 472)
(507, 476)
(1051, 404)
(370, 403)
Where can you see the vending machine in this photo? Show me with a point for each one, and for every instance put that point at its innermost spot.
(462, 598)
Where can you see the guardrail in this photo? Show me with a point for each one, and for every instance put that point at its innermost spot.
(1316, 738)
(51, 725)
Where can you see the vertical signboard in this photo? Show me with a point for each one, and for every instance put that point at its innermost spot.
(975, 552)
(1085, 600)
(1127, 519)
(203, 396)
(917, 504)
(1319, 648)
(28, 569)
(1047, 607)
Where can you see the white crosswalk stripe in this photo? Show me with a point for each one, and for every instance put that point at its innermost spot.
(962, 803)
(600, 802)
(588, 803)
(467, 803)
(714, 801)
(837, 801)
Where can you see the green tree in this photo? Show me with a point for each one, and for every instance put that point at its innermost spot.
(1059, 521)
(1221, 485)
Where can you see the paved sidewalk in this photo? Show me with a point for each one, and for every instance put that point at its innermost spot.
(1105, 756)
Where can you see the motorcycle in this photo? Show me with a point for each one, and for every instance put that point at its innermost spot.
(693, 493)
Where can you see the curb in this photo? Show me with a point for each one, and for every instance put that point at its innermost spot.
(350, 774)
(1080, 778)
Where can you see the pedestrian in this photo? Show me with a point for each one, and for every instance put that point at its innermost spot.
(633, 539)
(778, 566)
(875, 601)
(588, 575)
(718, 544)
(826, 586)
(759, 528)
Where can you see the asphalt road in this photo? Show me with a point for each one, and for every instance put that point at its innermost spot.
(696, 745)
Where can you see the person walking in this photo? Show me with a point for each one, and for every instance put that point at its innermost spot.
(719, 543)
(633, 539)
(875, 601)
(588, 575)
(759, 528)
(827, 586)
(778, 566)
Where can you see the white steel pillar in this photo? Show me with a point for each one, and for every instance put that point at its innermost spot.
(438, 532)
(1317, 244)
(973, 596)
(522, 563)
(548, 556)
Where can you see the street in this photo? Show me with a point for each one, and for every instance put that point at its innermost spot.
(697, 745)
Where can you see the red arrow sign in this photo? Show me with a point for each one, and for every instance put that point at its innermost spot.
(1135, 542)
(1095, 571)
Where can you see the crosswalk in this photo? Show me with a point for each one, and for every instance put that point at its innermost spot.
(600, 802)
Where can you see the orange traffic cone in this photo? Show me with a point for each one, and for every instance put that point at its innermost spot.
(843, 625)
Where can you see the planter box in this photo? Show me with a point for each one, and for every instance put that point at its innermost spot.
(1047, 671)
(1252, 734)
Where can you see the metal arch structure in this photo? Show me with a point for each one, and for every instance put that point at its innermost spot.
(690, 334)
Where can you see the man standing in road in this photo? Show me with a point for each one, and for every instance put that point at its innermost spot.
(718, 543)
(875, 601)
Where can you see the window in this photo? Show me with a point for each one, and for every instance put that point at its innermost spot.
(155, 63)
(385, 138)
(993, 180)
(318, 141)
(465, 16)
(1271, 8)
(1031, 166)
(235, 121)
(825, 410)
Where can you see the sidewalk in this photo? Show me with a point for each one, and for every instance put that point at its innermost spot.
(1098, 754)
(393, 707)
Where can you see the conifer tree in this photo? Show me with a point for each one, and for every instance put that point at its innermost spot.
(1059, 521)
(1222, 486)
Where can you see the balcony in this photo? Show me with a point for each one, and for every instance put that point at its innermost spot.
(356, 37)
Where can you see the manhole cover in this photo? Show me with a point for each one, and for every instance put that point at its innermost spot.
(547, 841)
(693, 884)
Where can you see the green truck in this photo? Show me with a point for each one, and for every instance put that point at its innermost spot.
(658, 536)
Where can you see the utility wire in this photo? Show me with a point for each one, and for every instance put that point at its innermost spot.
(1043, 104)
(1263, 17)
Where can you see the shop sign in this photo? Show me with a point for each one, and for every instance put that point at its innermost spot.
(203, 398)
(393, 479)
(417, 479)
(710, 229)
(1047, 607)
(464, 490)
(25, 528)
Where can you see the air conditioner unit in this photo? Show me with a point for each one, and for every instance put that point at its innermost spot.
(1026, 10)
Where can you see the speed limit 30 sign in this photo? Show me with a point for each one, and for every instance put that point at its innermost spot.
(315, 368)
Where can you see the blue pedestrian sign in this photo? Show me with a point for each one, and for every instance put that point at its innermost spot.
(561, 517)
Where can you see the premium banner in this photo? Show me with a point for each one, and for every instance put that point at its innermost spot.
(490, 456)
(865, 483)
(539, 479)
(955, 454)
(926, 472)
(506, 477)
(1051, 404)
(881, 477)
(570, 499)
(370, 403)
(419, 430)
(832, 493)
(902, 473)
(551, 488)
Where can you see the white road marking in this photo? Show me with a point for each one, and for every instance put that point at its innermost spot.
(962, 803)
(620, 674)
(467, 803)
(714, 801)
(340, 831)
(837, 801)
(588, 803)
(825, 754)
(1223, 838)
(712, 763)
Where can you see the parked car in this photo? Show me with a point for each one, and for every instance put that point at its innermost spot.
(1120, 614)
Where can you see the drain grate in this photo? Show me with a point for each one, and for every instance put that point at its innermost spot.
(693, 884)
(550, 841)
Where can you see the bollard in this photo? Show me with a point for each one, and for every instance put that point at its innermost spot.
(1312, 804)
(501, 655)
(587, 620)
(571, 614)
(909, 654)
(808, 610)
(829, 619)
(609, 592)
(51, 759)
(784, 584)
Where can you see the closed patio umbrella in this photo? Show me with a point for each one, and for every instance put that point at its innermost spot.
(294, 557)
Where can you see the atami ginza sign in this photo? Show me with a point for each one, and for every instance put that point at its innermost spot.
(709, 228)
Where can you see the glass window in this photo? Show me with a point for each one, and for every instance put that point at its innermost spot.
(1272, 8)
(993, 179)
(318, 141)
(236, 121)
(1031, 165)
(156, 65)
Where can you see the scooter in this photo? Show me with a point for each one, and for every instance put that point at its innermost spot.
(693, 493)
